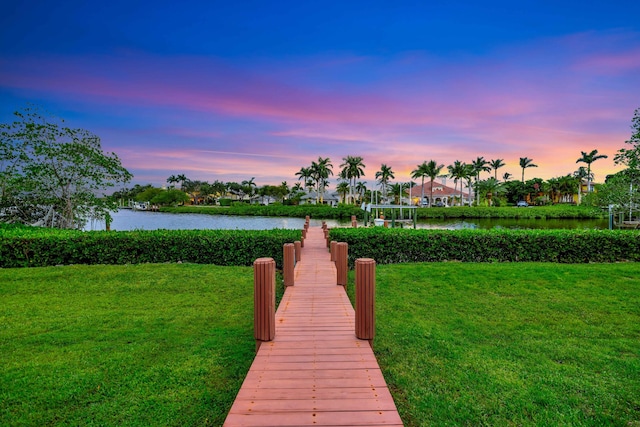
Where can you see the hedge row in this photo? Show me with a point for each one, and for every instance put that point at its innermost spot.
(300, 211)
(345, 211)
(534, 212)
(44, 247)
(388, 246)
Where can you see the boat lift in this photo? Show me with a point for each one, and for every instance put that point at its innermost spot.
(383, 215)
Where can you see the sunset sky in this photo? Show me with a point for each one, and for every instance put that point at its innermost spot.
(234, 90)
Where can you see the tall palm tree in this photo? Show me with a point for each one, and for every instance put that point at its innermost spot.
(581, 174)
(588, 159)
(320, 172)
(456, 171)
(353, 169)
(420, 172)
(495, 165)
(479, 165)
(432, 170)
(469, 173)
(383, 176)
(506, 176)
(526, 162)
(361, 188)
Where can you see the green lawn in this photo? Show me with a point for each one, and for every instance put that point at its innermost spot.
(139, 345)
(459, 344)
(511, 344)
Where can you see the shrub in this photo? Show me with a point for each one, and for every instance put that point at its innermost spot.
(36, 247)
(388, 246)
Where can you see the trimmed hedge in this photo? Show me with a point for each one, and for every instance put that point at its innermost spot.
(345, 211)
(300, 211)
(534, 212)
(389, 246)
(38, 247)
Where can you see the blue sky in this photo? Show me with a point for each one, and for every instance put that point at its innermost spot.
(258, 89)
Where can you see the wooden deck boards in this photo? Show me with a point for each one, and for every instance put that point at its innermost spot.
(315, 372)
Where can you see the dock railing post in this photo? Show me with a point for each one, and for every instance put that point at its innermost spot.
(289, 262)
(342, 263)
(264, 300)
(298, 249)
(365, 299)
(332, 250)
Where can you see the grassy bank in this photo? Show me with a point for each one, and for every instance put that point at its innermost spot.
(503, 344)
(460, 344)
(345, 211)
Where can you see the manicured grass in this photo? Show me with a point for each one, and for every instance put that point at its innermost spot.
(511, 344)
(163, 344)
(459, 344)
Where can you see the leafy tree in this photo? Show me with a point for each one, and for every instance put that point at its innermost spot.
(525, 163)
(170, 197)
(383, 176)
(53, 175)
(630, 157)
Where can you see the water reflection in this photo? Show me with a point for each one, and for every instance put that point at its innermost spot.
(127, 220)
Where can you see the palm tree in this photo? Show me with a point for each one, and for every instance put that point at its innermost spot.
(420, 172)
(383, 176)
(456, 171)
(581, 174)
(495, 165)
(353, 169)
(320, 171)
(506, 176)
(361, 188)
(479, 165)
(490, 187)
(342, 189)
(250, 185)
(172, 180)
(432, 170)
(469, 173)
(526, 162)
(588, 159)
(397, 191)
(304, 174)
(181, 178)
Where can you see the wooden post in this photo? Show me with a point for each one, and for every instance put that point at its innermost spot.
(354, 224)
(304, 233)
(302, 242)
(264, 300)
(298, 249)
(306, 219)
(324, 225)
(353, 218)
(332, 249)
(342, 263)
(365, 299)
(289, 261)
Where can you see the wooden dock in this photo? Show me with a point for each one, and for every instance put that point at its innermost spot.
(315, 372)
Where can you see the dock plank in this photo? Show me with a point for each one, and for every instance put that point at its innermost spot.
(315, 372)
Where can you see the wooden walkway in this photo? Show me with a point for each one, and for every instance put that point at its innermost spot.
(315, 372)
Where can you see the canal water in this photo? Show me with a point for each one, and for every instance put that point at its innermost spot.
(127, 220)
